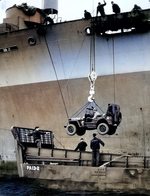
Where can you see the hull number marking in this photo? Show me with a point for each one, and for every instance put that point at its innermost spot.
(34, 168)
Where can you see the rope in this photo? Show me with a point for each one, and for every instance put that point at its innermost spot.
(76, 59)
(99, 108)
(79, 111)
(56, 77)
(59, 142)
(61, 59)
(104, 165)
(74, 63)
(114, 69)
(88, 104)
(92, 53)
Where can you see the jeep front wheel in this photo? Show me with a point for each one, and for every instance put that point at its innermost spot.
(102, 128)
(71, 129)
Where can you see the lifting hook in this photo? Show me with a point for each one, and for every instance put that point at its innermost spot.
(92, 77)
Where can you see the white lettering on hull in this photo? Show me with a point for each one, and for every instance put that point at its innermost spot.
(33, 168)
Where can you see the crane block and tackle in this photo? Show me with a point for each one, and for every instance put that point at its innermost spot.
(92, 78)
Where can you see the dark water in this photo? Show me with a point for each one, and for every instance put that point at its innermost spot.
(26, 187)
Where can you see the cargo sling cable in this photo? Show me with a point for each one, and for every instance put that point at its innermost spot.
(56, 72)
(92, 76)
(114, 68)
(56, 75)
(57, 81)
(74, 62)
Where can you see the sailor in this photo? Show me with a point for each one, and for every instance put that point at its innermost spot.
(115, 8)
(87, 15)
(89, 113)
(96, 113)
(137, 10)
(81, 146)
(100, 8)
(95, 146)
(48, 20)
(37, 137)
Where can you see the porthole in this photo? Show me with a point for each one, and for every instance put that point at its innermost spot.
(88, 31)
(31, 41)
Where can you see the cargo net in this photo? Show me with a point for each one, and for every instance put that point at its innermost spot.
(87, 108)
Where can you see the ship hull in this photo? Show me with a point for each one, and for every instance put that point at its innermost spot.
(75, 178)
